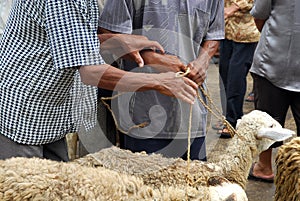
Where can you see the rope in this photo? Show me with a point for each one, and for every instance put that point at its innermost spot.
(103, 99)
(189, 180)
(183, 74)
(218, 114)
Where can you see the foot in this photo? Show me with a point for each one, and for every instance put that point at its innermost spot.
(218, 125)
(224, 133)
(258, 173)
(250, 97)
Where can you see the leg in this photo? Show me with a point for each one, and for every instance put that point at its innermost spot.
(225, 55)
(9, 149)
(57, 150)
(198, 149)
(239, 66)
(148, 145)
(295, 107)
(263, 168)
(265, 94)
(72, 140)
(224, 52)
(167, 147)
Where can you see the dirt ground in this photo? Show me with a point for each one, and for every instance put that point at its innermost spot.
(256, 191)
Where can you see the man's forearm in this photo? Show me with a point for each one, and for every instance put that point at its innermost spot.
(210, 47)
(259, 24)
(108, 77)
(109, 41)
(208, 50)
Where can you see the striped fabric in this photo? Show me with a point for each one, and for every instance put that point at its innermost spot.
(180, 26)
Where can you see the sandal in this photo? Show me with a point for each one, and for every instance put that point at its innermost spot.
(224, 133)
(257, 178)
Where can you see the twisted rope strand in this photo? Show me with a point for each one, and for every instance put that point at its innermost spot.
(217, 113)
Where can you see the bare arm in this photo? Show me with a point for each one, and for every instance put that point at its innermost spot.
(111, 78)
(229, 11)
(200, 65)
(259, 24)
(162, 62)
(158, 60)
(126, 45)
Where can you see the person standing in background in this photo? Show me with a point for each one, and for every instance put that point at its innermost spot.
(236, 54)
(189, 30)
(275, 70)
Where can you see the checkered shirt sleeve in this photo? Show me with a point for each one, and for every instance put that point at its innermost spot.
(43, 45)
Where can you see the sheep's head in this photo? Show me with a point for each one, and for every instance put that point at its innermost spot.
(262, 130)
(223, 190)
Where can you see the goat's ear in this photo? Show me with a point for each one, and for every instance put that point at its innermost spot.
(276, 134)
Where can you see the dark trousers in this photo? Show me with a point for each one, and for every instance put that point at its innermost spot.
(57, 150)
(235, 62)
(276, 101)
(167, 147)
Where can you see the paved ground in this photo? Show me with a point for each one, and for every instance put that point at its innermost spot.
(256, 191)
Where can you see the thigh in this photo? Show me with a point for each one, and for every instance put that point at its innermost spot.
(57, 150)
(178, 148)
(149, 145)
(175, 148)
(271, 99)
(198, 149)
(239, 65)
(242, 55)
(9, 148)
(225, 55)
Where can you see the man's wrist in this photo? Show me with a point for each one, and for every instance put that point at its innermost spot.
(147, 56)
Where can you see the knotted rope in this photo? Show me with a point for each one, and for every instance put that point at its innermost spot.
(217, 113)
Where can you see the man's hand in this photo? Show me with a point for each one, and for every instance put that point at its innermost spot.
(162, 62)
(179, 87)
(198, 69)
(200, 65)
(127, 45)
(229, 11)
(111, 78)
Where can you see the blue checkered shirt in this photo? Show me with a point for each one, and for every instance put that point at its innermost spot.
(44, 43)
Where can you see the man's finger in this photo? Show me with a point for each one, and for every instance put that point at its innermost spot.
(191, 83)
(137, 58)
(157, 46)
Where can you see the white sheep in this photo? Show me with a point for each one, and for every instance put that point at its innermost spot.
(231, 159)
(24, 179)
(138, 176)
(287, 179)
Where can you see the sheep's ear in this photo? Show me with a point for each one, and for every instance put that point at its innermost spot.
(238, 123)
(276, 134)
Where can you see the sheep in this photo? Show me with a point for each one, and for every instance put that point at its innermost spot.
(115, 174)
(287, 179)
(257, 131)
(24, 179)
